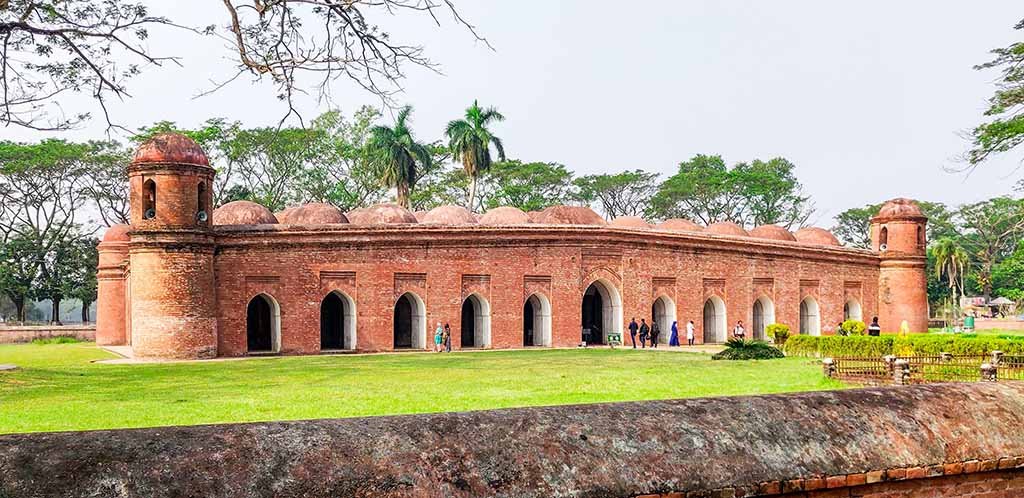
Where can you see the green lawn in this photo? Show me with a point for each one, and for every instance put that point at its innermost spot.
(996, 332)
(57, 388)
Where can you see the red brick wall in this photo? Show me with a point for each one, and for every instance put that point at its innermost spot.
(374, 267)
(111, 318)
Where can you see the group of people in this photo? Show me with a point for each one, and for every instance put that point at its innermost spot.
(443, 338)
(650, 333)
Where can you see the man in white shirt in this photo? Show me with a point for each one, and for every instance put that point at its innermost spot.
(689, 333)
(739, 332)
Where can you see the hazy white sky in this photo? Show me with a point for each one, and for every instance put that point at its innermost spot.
(867, 98)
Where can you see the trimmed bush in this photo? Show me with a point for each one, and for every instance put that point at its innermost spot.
(738, 349)
(914, 344)
(59, 339)
(852, 327)
(778, 332)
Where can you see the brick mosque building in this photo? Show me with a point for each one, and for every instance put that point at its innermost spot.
(182, 282)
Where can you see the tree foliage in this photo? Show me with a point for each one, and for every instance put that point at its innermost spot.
(1004, 129)
(628, 193)
(470, 140)
(397, 156)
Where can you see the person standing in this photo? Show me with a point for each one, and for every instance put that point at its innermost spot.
(447, 338)
(738, 331)
(632, 331)
(438, 337)
(874, 329)
(689, 333)
(645, 330)
(673, 340)
(655, 332)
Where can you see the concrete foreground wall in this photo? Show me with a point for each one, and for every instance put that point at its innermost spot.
(934, 440)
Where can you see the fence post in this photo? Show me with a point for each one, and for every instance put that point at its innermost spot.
(901, 375)
(988, 372)
(889, 363)
(946, 357)
(828, 367)
(997, 357)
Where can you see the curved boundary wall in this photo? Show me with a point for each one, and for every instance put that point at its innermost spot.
(933, 440)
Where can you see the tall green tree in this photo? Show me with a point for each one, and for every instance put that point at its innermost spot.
(627, 193)
(991, 231)
(397, 155)
(853, 226)
(470, 140)
(1008, 275)
(1004, 129)
(19, 270)
(951, 261)
(772, 193)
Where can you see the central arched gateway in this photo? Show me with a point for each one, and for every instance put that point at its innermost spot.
(810, 322)
(714, 320)
(263, 325)
(663, 312)
(337, 322)
(476, 322)
(410, 323)
(764, 315)
(537, 321)
(602, 312)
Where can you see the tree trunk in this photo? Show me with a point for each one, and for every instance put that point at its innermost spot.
(472, 193)
(85, 312)
(402, 192)
(55, 310)
(19, 308)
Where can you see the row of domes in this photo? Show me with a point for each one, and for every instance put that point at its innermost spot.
(251, 213)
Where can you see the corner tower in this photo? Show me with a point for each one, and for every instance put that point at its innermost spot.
(173, 301)
(898, 236)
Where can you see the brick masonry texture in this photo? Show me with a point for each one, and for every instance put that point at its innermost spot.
(178, 287)
(935, 440)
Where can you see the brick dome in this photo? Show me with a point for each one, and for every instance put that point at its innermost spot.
(284, 216)
(726, 228)
(243, 213)
(386, 214)
(314, 214)
(170, 148)
(449, 215)
(900, 208)
(679, 224)
(772, 232)
(358, 216)
(630, 222)
(816, 236)
(569, 215)
(117, 233)
(505, 215)
(419, 215)
(534, 216)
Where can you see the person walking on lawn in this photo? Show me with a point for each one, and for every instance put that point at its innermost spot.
(655, 332)
(645, 330)
(632, 331)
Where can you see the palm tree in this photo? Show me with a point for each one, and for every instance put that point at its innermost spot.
(470, 142)
(396, 155)
(951, 260)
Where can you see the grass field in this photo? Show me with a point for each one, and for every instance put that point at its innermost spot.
(1005, 332)
(58, 388)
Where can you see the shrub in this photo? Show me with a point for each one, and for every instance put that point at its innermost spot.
(58, 339)
(738, 349)
(779, 332)
(852, 327)
(915, 344)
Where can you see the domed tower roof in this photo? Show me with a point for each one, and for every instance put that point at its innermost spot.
(772, 232)
(679, 225)
(726, 228)
(117, 233)
(505, 215)
(534, 216)
(170, 148)
(419, 215)
(386, 214)
(314, 214)
(630, 222)
(449, 215)
(900, 208)
(569, 215)
(243, 213)
(816, 236)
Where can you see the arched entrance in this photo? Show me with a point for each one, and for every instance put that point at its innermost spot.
(663, 312)
(262, 325)
(810, 322)
(602, 312)
(537, 321)
(852, 311)
(714, 320)
(764, 315)
(476, 322)
(410, 323)
(337, 322)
